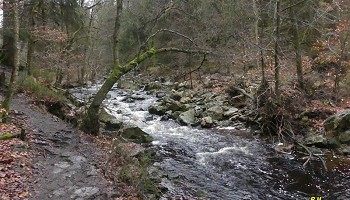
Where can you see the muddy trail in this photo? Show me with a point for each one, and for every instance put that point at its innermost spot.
(66, 165)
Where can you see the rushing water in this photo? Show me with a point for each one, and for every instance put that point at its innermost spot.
(224, 163)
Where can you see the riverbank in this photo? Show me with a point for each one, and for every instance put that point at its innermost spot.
(191, 161)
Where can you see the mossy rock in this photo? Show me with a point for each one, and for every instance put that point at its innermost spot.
(339, 122)
(157, 109)
(135, 134)
(110, 122)
(188, 118)
(177, 106)
(344, 137)
(317, 141)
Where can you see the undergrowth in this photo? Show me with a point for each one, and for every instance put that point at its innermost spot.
(39, 90)
(129, 170)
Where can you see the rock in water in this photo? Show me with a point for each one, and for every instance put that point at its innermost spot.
(317, 141)
(339, 122)
(110, 122)
(157, 109)
(187, 118)
(207, 122)
(216, 113)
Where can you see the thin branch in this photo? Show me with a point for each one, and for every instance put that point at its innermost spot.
(293, 5)
(170, 31)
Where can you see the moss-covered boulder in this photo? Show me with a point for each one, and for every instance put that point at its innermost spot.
(109, 121)
(215, 112)
(317, 141)
(176, 106)
(157, 109)
(344, 137)
(135, 134)
(339, 122)
(188, 118)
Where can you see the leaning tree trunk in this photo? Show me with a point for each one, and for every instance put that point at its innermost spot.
(90, 122)
(15, 27)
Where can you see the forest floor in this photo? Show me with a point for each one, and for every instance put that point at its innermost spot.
(55, 162)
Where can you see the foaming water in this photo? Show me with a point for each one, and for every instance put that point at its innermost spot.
(220, 163)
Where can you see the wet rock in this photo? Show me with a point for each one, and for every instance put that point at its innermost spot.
(160, 94)
(176, 106)
(345, 150)
(135, 134)
(168, 84)
(230, 112)
(207, 122)
(157, 109)
(153, 86)
(175, 115)
(215, 112)
(85, 192)
(198, 111)
(344, 137)
(187, 118)
(137, 97)
(110, 122)
(316, 140)
(339, 122)
(333, 143)
(176, 95)
(185, 100)
(127, 84)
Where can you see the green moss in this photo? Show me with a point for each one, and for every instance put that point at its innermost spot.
(39, 90)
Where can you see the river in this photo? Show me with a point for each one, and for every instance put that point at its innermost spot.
(223, 163)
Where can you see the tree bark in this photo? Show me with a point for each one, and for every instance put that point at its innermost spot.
(12, 85)
(8, 48)
(258, 39)
(276, 56)
(297, 49)
(90, 122)
(116, 33)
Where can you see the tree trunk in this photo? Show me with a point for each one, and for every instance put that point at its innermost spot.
(258, 39)
(297, 49)
(8, 48)
(116, 33)
(276, 56)
(90, 122)
(15, 27)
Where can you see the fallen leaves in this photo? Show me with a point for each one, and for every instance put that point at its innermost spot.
(14, 166)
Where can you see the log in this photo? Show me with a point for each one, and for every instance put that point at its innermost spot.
(21, 135)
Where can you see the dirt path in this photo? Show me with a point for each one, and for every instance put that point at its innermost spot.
(66, 165)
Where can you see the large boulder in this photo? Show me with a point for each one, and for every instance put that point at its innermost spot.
(135, 134)
(188, 118)
(215, 112)
(339, 122)
(110, 122)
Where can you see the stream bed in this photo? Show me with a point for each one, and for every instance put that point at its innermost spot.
(224, 163)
